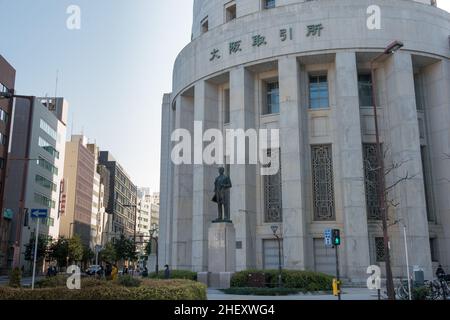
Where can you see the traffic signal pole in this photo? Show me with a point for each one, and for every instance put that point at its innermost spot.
(338, 276)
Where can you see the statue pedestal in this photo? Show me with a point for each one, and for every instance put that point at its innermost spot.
(221, 254)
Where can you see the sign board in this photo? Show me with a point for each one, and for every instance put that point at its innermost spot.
(39, 213)
(328, 234)
(8, 214)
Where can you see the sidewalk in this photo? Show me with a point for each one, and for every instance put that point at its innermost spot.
(348, 294)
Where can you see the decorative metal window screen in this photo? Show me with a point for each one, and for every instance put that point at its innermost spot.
(322, 171)
(372, 181)
(273, 194)
(380, 253)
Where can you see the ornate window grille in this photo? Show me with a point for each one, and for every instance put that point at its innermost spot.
(380, 254)
(273, 195)
(372, 181)
(322, 172)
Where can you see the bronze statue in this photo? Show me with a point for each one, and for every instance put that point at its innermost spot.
(222, 187)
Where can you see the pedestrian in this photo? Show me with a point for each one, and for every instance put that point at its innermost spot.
(49, 271)
(166, 272)
(108, 271)
(440, 273)
(145, 272)
(114, 272)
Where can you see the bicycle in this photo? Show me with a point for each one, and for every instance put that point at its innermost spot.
(402, 291)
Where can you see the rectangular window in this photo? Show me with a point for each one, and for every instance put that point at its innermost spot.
(204, 25)
(45, 183)
(272, 97)
(3, 139)
(273, 204)
(380, 253)
(48, 129)
(226, 106)
(48, 147)
(372, 181)
(322, 174)
(50, 222)
(318, 92)
(3, 89)
(434, 250)
(44, 201)
(268, 4)
(419, 92)
(2, 163)
(365, 90)
(4, 116)
(230, 11)
(47, 166)
(427, 183)
(271, 254)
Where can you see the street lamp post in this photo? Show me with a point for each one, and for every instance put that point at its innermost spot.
(152, 232)
(392, 48)
(280, 269)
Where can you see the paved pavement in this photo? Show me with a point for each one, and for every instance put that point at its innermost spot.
(25, 281)
(348, 294)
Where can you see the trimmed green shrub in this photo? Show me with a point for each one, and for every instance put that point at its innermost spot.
(306, 281)
(128, 281)
(148, 290)
(15, 278)
(420, 293)
(262, 291)
(176, 274)
(51, 282)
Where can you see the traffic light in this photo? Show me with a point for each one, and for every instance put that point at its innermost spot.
(336, 237)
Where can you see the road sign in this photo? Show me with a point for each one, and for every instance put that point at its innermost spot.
(8, 214)
(328, 237)
(39, 213)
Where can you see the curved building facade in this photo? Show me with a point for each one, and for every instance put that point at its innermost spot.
(305, 68)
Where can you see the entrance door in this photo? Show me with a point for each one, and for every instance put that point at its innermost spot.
(324, 257)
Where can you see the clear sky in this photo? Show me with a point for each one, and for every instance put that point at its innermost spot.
(113, 71)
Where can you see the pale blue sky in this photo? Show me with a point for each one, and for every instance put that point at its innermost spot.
(113, 71)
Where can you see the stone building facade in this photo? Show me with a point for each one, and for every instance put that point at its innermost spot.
(304, 67)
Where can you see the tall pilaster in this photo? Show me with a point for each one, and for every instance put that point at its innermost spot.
(292, 164)
(243, 176)
(349, 148)
(182, 192)
(206, 114)
(404, 147)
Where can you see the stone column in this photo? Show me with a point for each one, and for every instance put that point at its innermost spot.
(437, 112)
(404, 145)
(292, 163)
(355, 246)
(182, 192)
(204, 210)
(243, 193)
(165, 224)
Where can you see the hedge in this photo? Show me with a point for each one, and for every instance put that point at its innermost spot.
(92, 289)
(262, 291)
(305, 281)
(175, 274)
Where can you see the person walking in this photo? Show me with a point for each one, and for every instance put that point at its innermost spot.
(114, 272)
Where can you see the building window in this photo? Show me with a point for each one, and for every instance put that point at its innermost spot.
(273, 207)
(44, 201)
(3, 139)
(226, 106)
(47, 166)
(2, 163)
(365, 90)
(48, 129)
(49, 222)
(318, 92)
(380, 253)
(268, 4)
(427, 183)
(434, 250)
(4, 116)
(372, 181)
(43, 182)
(272, 102)
(230, 11)
(322, 174)
(204, 25)
(419, 92)
(3, 89)
(271, 255)
(48, 147)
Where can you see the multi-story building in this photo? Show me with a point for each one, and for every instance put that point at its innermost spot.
(79, 171)
(308, 69)
(35, 172)
(7, 81)
(121, 199)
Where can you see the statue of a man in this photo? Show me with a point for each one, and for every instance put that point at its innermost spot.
(222, 187)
